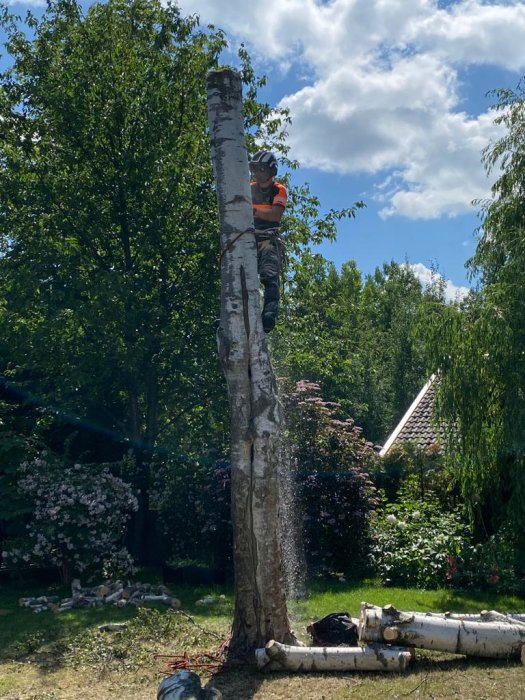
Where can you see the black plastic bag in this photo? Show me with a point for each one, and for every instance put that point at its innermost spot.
(333, 630)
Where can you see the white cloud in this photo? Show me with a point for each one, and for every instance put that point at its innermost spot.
(428, 277)
(27, 3)
(476, 32)
(381, 90)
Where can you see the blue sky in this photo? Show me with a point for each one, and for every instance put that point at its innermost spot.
(388, 102)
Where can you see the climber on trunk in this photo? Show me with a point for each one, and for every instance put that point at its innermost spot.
(269, 201)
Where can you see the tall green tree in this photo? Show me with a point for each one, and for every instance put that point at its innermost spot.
(480, 348)
(357, 338)
(109, 245)
(392, 359)
(108, 272)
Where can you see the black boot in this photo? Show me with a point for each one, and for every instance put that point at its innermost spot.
(268, 321)
(269, 314)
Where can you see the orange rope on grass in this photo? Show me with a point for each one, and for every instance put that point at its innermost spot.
(204, 661)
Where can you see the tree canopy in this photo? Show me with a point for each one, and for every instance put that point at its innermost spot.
(480, 347)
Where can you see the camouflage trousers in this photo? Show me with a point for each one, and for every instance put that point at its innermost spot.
(269, 264)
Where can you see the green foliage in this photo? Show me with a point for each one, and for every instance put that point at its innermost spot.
(15, 447)
(192, 498)
(108, 214)
(417, 543)
(498, 564)
(335, 495)
(416, 471)
(479, 346)
(360, 340)
(129, 649)
(109, 266)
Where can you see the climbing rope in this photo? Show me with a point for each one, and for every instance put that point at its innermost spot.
(206, 662)
(230, 244)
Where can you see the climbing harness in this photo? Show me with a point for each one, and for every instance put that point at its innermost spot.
(230, 244)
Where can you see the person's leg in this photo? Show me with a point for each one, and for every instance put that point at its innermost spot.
(268, 263)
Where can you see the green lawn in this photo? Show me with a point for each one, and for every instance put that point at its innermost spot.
(65, 657)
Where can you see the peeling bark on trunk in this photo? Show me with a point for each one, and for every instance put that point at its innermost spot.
(260, 604)
(492, 636)
(281, 657)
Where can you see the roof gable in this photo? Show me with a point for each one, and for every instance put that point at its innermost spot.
(416, 426)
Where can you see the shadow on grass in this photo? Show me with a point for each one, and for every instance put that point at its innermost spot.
(237, 683)
(245, 683)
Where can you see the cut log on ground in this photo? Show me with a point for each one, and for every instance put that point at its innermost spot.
(185, 685)
(497, 637)
(282, 657)
(483, 616)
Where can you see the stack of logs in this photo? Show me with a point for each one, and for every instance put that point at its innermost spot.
(389, 637)
(115, 593)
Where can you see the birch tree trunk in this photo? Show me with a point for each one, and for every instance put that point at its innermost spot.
(260, 603)
(493, 636)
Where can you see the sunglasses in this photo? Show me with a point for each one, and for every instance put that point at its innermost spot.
(259, 168)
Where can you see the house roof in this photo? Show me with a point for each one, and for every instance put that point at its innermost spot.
(416, 425)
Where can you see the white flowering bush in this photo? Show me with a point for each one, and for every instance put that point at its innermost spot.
(79, 517)
(417, 543)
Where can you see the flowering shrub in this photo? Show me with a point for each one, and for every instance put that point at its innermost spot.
(79, 516)
(336, 495)
(416, 543)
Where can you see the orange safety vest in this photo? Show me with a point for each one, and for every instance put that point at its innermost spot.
(266, 198)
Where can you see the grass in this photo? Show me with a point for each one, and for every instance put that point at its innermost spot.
(64, 657)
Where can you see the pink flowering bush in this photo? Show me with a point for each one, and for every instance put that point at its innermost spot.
(79, 517)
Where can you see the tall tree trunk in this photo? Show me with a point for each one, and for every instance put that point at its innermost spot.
(260, 602)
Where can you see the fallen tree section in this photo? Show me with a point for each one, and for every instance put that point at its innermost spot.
(495, 636)
(483, 616)
(282, 657)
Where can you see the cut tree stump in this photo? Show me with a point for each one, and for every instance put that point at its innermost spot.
(493, 635)
(282, 657)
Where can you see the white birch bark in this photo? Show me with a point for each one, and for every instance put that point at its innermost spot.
(494, 637)
(260, 604)
(483, 616)
(281, 657)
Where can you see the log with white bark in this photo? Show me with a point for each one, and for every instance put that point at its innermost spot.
(282, 657)
(483, 616)
(185, 685)
(497, 637)
(255, 413)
